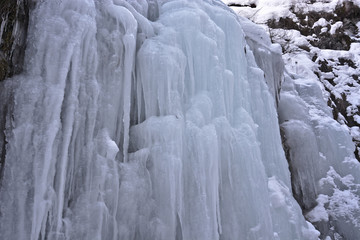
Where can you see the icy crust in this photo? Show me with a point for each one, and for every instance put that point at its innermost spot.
(126, 128)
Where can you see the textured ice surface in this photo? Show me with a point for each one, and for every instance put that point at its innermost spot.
(325, 173)
(144, 120)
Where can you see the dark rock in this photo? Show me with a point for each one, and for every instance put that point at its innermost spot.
(348, 10)
(314, 58)
(338, 41)
(331, 81)
(357, 150)
(347, 61)
(283, 23)
(252, 5)
(15, 19)
(324, 66)
(305, 48)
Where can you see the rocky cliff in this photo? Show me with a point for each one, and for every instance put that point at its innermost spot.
(14, 19)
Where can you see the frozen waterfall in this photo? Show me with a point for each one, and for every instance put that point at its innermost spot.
(143, 120)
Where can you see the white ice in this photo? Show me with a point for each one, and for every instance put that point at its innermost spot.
(146, 120)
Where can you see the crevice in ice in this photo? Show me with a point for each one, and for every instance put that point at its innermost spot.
(3, 141)
(178, 234)
(67, 116)
(153, 10)
(297, 187)
(252, 5)
(6, 121)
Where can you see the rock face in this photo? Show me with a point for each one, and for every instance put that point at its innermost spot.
(14, 20)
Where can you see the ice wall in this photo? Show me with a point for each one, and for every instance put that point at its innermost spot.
(143, 120)
(268, 56)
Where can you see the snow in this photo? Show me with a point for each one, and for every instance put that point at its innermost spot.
(335, 26)
(357, 119)
(319, 213)
(310, 231)
(321, 5)
(264, 10)
(321, 22)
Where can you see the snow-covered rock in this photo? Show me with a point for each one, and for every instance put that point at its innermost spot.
(324, 170)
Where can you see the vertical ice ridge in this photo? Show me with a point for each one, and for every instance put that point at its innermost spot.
(44, 122)
(70, 103)
(130, 25)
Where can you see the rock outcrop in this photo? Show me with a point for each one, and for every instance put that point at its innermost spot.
(14, 19)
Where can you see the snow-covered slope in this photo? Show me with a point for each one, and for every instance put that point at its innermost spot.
(145, 120)
(321, 55)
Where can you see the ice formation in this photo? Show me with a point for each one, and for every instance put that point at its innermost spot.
(325, 173)
(148, 120)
